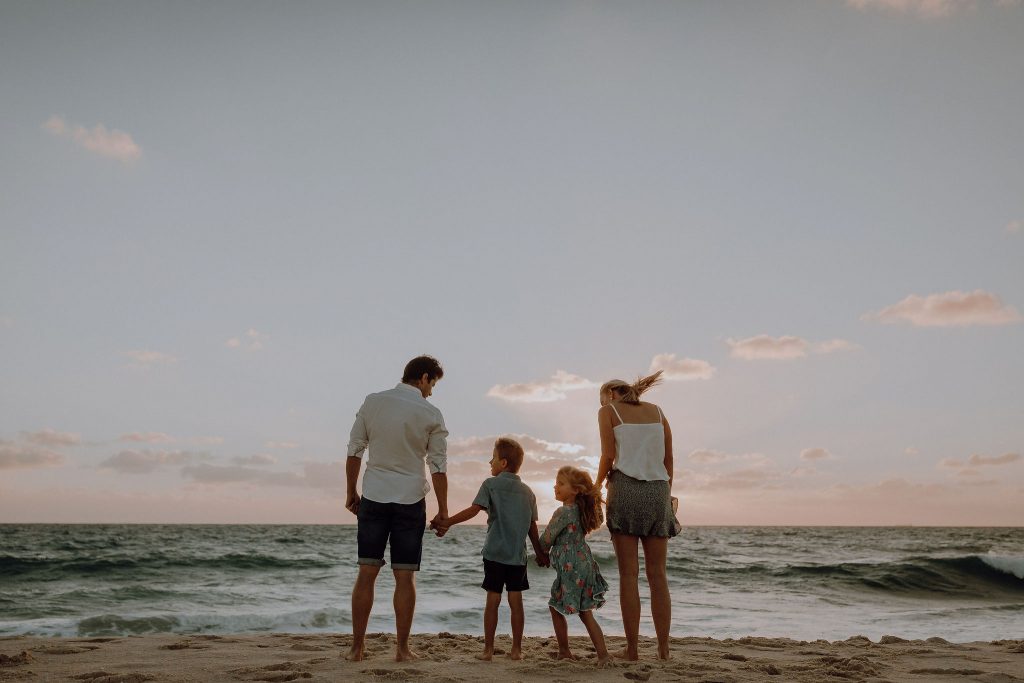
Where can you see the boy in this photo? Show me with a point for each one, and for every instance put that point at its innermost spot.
(511, 516)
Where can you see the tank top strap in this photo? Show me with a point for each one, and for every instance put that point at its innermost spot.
(661, 415)
(621, 421)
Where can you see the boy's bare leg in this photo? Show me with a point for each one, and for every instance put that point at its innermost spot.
(405, 607)
(490, 625)
(362, 604)
(515, 604)
(561, 634)
(596, 635)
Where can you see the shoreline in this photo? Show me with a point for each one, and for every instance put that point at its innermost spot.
(450, 657)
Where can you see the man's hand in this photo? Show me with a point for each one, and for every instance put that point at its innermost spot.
(352, 503)
(439, 524)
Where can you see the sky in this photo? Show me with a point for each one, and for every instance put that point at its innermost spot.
(223, 224)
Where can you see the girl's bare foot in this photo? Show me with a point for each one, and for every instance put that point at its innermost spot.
(625, 653)
(486, 655)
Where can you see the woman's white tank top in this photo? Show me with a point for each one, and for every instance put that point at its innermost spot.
(640, 448)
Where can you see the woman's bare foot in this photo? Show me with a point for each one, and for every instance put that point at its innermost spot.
(486, 655)
(357, 653)
(625, 653)
(664, 653)
(404, 654)
(515, 653)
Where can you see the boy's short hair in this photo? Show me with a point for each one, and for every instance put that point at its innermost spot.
(420, 365)
(511, 452)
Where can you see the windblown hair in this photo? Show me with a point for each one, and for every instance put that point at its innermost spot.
(630, 393)
(588, 499)
(415, 369)
(511, 452)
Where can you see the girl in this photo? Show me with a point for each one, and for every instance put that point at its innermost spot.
(579, 587)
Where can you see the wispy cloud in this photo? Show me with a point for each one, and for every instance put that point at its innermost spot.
(1015, 227)
(681, 368)
(146, 359)
(146, 461)
(258, 459)
(813, 454)
(834, 346)
(949, 309)
(319, 475)
(282, 445)
(910, 450)
(481, 446)
(252, 340)
(146, 437)
(52, 438)
(26, 456)
(976, 460)
(763, 346)
(115, 144)
(541, 392)
(707, 456)
(931, 9)
(207, 440)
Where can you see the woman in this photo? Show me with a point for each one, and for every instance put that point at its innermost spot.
(636, 460)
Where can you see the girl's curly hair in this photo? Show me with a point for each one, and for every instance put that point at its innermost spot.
(588, 499)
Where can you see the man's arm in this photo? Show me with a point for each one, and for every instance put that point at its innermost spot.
(440, 485)
(352, 465)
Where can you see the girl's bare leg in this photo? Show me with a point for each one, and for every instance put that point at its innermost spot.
(596, 636)
(561, 634)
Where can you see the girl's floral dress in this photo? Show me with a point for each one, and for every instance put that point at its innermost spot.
(579, 586)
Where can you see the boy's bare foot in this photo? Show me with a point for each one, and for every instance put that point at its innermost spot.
(624, 653)
(515, 653)
(357, 653)
(486, 655)
(404, 654)
(563, 654)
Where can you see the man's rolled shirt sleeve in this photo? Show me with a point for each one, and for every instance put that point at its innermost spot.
(437, 449)
(358, 439)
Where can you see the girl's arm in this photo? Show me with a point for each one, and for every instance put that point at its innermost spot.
(668, 450)
(542, 555)
(558, 522)
(604, 425)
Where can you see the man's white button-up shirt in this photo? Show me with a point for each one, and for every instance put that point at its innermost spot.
(403, 432)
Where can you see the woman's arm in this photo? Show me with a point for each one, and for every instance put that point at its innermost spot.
(668, 449)
(604, 425)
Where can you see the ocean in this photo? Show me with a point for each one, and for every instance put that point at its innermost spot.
(961, 584)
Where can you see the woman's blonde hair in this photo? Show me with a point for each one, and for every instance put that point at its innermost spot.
(630, 393)
(588, 499)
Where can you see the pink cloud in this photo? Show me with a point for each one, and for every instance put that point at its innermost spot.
(146, 437)
(285, 445)
(115, 144)
(146, 461)
(834, 346)
(707, 456)
(763, 346)
(250, 341)
(980, 460)
(52, 438)
(931, 9)
(681, 368)
(482, 446)
(21, 456)
(145, 359)
(1015, 227)
(949, 309)
(815, 454)
(541, 392)
(317, 475)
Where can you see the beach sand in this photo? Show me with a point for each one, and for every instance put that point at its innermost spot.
(446, 657)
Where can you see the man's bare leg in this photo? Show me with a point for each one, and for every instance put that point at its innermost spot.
(405, 608)
(362, 604)
(490, 625)
(515, 604)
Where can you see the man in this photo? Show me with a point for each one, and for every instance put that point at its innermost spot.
(405, 435)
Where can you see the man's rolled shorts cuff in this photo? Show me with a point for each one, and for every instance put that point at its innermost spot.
(398, 566)
(372, 561)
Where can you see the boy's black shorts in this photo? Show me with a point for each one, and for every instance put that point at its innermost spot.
(511, 577)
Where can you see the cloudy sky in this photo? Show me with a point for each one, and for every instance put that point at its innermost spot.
(224, 223)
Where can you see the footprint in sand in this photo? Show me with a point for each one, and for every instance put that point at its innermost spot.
(107, 677)
(65, 650)
(275, 673)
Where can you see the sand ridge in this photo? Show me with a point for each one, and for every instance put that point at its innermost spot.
(449, 658)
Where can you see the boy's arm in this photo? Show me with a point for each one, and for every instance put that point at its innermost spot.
(542, 556)
(459, 517)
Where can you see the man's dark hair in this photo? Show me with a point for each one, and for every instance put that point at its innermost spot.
(419, 365)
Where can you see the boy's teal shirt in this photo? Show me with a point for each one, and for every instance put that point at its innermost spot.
(511, 507)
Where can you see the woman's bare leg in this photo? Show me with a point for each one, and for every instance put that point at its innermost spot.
(629, 592)
(655, 556)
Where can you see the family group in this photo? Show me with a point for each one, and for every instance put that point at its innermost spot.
(403, 436)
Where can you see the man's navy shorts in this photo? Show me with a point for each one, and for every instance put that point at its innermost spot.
(402, 524)
(498, 576)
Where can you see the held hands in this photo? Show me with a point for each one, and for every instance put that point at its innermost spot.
(440, 524)
(543, 560)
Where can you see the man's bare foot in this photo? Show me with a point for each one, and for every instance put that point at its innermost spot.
(563, 654)
(624, 653)
(486, 655)
(404, 654)
(515, 653)
(357, 653)
(602, 662)
(664, 653)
